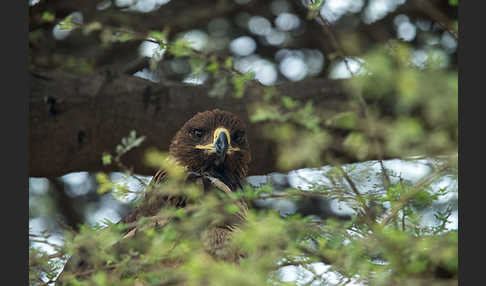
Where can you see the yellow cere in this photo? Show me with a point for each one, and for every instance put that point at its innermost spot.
(210, 147)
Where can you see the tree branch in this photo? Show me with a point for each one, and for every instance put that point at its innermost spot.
(74, 119)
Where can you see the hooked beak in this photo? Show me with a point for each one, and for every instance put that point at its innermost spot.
(221, 144)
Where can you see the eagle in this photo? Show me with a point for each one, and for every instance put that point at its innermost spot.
(214, 150)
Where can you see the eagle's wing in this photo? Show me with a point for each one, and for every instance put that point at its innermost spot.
(148, 207)
(152, 202)
(214, 237)
(158, 178)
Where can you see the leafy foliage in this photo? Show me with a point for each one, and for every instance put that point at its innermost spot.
(399, 106)
(376, 247)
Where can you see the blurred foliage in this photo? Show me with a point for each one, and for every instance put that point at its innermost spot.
(375, 248)
(399, 106)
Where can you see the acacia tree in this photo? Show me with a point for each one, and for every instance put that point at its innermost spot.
(317, 83)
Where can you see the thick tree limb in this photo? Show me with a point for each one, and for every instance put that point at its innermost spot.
(65, 204)
(73, 120)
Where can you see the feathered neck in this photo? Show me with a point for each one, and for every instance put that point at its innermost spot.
(231, 179)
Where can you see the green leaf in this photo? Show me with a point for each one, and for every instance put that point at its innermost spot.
(158, 36)
(180, 48)
(316, 4)
(100, 278)
(265, 112)
(357, 144)
(269, 92)
(91, 27)
(213, 67)
(232, 208)
(289, 102)
(125, 36)
(314, 8)
(67, 23)
(228, 63)
(220, 87)
(105, 184)
(239, 83)
(181, 213)
(106, 159)
(344, 120)
(48, 17)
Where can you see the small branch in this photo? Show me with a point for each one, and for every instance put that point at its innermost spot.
(147, 107)
(48, 282)
(366, 215)
(403, 220)
(338, 48)
(435, 14)
(319, 256)
(386, 177)
(64, 203)
(364, 107)
(334, 42)
(407, 197)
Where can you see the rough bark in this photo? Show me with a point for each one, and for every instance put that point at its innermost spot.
(74, 119)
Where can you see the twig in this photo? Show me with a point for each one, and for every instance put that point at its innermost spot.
(438, 16)
(48, 282)
(386, 177)
(407, 197)
(338, 48)
(403, 220)
(294, 263)
(366, 215)
(55, 246)
(342, 282)
(364, 107)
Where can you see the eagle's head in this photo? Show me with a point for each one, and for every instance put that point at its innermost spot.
(213, 142)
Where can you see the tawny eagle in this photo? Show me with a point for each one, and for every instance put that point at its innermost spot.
(213, 148)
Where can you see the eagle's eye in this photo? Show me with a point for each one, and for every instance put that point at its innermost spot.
(238, 136)
(197, 133)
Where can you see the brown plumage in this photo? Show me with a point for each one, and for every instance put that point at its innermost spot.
(190, 146)
(213, 148)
